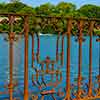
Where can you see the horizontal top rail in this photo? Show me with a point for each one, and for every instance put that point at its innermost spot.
(57, 17)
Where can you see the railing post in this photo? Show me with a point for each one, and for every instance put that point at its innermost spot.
(62, 52)
(38, 48)
(32, 35)
(69, 28)
(57, 47)
(90, 59)
(11, 38)
(80, 39)
(26, 30)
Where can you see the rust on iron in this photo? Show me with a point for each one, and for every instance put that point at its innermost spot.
(56, 17)
(48, 92)
(69, 28)
(38, 48)
(37, 75)
(32, 35)
(51, 68)
(62, 52)
(90, 58)
(11, 38)
(47, 61)
(80, 40)
(57, 47)
(26, 30)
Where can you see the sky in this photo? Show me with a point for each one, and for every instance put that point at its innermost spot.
(78, 3)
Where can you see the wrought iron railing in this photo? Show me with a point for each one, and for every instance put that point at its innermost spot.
(67, 31)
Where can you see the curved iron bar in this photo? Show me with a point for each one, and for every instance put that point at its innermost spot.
(90, 59)
(68, 67)
(55, 84)
(37, 59)
(35, 83)
(47, 71)
(32, 36)
(50, 72)
(38, 48)
(57, 47)
(62, 52)
(80, 39)
(44, 82)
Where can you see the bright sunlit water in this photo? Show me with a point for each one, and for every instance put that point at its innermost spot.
(47, 48)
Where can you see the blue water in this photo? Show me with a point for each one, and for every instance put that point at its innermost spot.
(47, 48)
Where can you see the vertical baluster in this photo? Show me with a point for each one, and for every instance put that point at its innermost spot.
(69, 28)
(26, 30)
(80, 39)
(90, 59)
(11, 37)
(32, 50)
(38, 48)
(57, 47)
(62, 53)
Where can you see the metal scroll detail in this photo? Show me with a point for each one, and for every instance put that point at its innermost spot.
(51, 68)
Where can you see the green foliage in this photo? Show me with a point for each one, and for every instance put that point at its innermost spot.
(4, 27)
(27, 10)
(2, 7)
(64, 8)
(13, 7)
(45, 9)
(97, 31)
(90, 11)
(36, 24)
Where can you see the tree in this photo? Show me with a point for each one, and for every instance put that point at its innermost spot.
(90, 11)
(45, 9)
(2, 7)
(64, 8)
(14, 7)
(27, 10)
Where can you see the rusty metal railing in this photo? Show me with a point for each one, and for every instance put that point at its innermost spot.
(80, 94)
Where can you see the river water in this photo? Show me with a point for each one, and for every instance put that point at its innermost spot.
(47, 48)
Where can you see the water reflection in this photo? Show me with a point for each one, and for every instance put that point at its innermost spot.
(45, 49)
